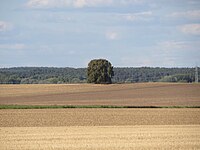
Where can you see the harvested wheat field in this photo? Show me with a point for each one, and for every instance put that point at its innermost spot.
(103, 129)
(140, 94)
(98, 117)
(101, 138)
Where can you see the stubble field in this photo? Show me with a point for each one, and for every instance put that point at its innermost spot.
(94, 128)
(101, 138)
(107, 129)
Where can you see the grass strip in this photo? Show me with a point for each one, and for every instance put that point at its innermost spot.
(83, 106)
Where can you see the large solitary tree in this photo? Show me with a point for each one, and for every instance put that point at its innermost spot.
(99, 71)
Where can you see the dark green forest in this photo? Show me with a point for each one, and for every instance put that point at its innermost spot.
(51, 75)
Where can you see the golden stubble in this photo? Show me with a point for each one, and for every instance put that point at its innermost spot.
(101, 137)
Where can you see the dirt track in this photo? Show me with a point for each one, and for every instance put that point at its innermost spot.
(143, 94)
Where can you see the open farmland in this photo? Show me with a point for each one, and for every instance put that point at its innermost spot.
(85, 129)
(142, 94)
(101, 129)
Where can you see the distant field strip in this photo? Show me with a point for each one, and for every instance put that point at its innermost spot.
(98, 117)
(84, 106)
(182, 137)
(140, 94)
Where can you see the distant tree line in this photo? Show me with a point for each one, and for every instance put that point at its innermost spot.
(50, 75)
(148, 74)
(42, 75)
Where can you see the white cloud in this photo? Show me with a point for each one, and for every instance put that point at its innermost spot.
(91, 3)
(125, 2)
(5, 26)
(48, 3)
(193, 29)
(171, 45)
(141, 16)
(112, 35)
(66, 3)
(17, 46)
(80, 3)
(193, 14)
(40, 4)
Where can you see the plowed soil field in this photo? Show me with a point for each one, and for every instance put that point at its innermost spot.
(142, 94)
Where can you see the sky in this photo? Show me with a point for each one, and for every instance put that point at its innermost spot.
(128, 33)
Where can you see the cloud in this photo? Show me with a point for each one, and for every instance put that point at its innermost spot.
(141, 16)
(127, 2)
(67, 3)
(193, 14)
(112, 35)
(17, 46)
(5, 26)
(45, 4)
(193, 29)
(171, 45)
(91, 3)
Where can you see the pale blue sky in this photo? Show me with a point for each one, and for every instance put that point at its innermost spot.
(69, 33)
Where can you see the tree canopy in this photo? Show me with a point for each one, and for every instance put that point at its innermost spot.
(99, 71)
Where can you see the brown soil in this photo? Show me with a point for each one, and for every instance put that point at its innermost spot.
(142, 94)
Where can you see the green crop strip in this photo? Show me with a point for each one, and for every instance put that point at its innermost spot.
(83, 106)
